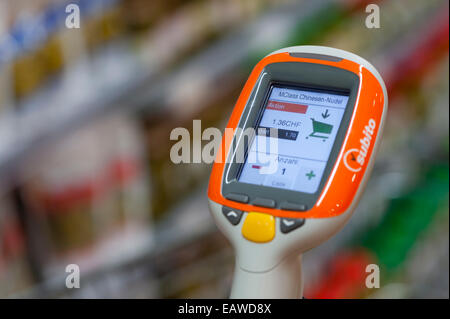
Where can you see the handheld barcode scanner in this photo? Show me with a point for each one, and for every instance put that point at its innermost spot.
(316, 114)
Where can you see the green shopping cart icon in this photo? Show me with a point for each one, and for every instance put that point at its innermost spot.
(319, 129)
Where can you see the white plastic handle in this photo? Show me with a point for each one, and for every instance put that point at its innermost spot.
(282, 282)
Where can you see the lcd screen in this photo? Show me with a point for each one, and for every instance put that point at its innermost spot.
(306, 122)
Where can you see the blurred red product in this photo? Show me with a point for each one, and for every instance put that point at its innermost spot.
(346, 276)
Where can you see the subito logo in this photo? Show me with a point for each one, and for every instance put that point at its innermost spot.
(355, 158)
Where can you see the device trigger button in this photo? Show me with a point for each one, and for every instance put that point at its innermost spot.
(289, 224)
(258, 227)
(233, 215)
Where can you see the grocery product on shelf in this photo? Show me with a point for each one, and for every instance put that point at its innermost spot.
(81, 196)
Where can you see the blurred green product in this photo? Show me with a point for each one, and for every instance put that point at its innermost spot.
(313, 27)
(408, 217)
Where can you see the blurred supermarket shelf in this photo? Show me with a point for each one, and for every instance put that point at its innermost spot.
(107, 84)
(59, 109)
(185, 224)
(174, 255)
(116, 76)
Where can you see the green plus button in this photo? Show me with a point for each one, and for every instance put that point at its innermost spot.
(310, 175)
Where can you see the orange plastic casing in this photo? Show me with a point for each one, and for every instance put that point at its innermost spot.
(344, 180)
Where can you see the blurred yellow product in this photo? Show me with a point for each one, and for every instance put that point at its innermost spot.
(32, 69)
(29, 71)
(139, 15)
(72, 228)
(51, 55)
(100, 29)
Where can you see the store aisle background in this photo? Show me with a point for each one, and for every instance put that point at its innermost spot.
(85, 119)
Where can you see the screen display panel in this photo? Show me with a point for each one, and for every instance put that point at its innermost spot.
(294, 156)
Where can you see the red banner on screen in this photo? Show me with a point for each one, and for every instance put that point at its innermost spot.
(287, 107)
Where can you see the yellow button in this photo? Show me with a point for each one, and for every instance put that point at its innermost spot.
(259, 227)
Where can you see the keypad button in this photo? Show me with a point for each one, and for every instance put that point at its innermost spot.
(237, 197)
(289, 224)
(293, 206)
(232, 215)
(264, 202)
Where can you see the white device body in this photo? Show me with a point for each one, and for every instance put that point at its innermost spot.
(273, 270)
